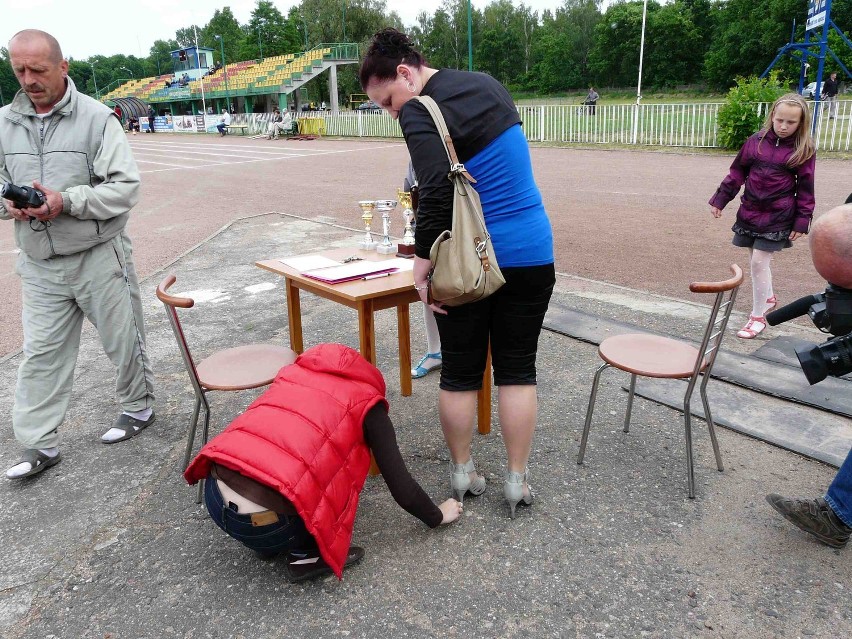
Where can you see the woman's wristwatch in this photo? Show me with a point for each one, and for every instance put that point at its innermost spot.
(421, 288)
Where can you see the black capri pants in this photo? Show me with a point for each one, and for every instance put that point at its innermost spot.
(511, 318)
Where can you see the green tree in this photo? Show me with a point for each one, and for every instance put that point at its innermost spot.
(8, 82)
(748, 36)
(673, 47)
(614, 58)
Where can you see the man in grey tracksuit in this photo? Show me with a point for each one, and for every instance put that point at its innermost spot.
(76, 258)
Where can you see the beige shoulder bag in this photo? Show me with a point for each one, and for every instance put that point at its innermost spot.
(464, 268)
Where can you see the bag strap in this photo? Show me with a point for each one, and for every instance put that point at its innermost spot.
(438, 117)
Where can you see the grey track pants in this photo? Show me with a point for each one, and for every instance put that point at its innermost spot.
(101, 285)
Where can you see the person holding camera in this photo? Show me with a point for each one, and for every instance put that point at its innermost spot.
(828, 518)
(284, 478)
(75, 257)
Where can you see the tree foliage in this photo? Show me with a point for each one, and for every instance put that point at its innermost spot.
(572, 47)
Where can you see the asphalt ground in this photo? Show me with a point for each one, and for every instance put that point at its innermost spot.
(111, 544)
(634, 218)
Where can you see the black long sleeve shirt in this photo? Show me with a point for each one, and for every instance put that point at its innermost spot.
(477, 109)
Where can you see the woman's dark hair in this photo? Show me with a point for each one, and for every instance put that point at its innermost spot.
(388, 49)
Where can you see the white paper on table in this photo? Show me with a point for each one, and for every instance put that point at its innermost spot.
(401, 263)
(308, 262)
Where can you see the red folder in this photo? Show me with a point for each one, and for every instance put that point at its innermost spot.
(349, 272)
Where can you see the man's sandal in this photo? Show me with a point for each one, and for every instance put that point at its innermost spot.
(754, 327)
(131, 427)
(38, 461)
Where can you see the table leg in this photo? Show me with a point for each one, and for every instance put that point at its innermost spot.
(367, 340)
(367, 331)
(294, 316)
(483, 399)
(403, 322)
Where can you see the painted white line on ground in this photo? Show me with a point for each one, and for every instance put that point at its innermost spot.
(186, 152)
(207, 151)
(196, 167)
(173, 157)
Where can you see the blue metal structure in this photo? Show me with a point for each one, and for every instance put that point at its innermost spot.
(819, 24)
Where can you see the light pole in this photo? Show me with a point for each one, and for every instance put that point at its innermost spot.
(641, 52)
(128, 70)
(259, 42)
(224, 70)
(95, 80)
(305, 31)
(469, 37)
(344, 20)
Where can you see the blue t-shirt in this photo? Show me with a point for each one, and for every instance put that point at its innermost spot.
(511, 201)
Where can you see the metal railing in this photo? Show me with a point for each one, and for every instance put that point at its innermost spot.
(692, 125)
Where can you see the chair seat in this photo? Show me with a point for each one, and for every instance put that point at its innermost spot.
(649, 355)
(243, 367)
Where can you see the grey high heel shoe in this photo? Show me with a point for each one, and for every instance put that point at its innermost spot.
(513, 490)
(461, 483)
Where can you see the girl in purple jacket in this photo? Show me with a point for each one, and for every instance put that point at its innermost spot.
(776, 164)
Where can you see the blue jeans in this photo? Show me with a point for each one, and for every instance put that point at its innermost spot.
(221, 128)
(839, 495)
(285, 535)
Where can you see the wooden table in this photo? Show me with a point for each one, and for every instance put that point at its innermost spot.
(367, 297)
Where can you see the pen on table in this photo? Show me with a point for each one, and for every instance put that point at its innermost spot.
(372, 277)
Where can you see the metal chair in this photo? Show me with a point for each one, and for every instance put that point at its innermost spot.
(232, 369)
(663, 357)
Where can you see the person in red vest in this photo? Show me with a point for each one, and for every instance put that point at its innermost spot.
(285, 476)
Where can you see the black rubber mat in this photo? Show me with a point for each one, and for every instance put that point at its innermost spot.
(755, 373)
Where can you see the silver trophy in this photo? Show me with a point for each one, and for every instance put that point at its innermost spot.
(386, 247)
(367, 206)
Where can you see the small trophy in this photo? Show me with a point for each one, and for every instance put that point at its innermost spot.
(385, 247)
(406, 247)
(367, 206)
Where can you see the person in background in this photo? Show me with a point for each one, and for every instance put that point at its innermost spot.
(276, 118)
(431, 361)
(591, 100)
(828, 518)
(76, 259)
(486, 131)
(776, 164)
(151, 116)
(224, 122)
(829, 95)
(285, 476)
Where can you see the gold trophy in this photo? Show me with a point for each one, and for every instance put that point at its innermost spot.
(367, 206)
(385, 247)
(406, 247)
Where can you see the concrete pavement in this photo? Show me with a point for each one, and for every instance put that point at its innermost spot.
(110, 542)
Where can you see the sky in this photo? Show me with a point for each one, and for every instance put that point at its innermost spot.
(107, 27)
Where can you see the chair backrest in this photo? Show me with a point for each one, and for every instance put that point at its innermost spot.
(172, 303)
(726, 293)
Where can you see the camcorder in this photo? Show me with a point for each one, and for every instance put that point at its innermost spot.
(24, 197)
(831, 312)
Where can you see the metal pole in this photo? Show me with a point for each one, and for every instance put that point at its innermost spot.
(95, 80)
(469, 37)
(305, 31)
(224, 71)
(201, 81)
(639, 83)
(641, 52)
(259, 43)
(344, 20)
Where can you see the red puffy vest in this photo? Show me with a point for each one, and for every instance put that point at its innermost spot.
(304, 437)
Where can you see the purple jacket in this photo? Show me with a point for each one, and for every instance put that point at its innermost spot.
(776, 197)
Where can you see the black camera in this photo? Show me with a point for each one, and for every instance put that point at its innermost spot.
(24, 197)
(831, 312)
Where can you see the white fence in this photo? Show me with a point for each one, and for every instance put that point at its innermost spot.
(677, 125)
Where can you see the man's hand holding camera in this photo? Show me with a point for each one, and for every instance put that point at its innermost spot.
(39, 202)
